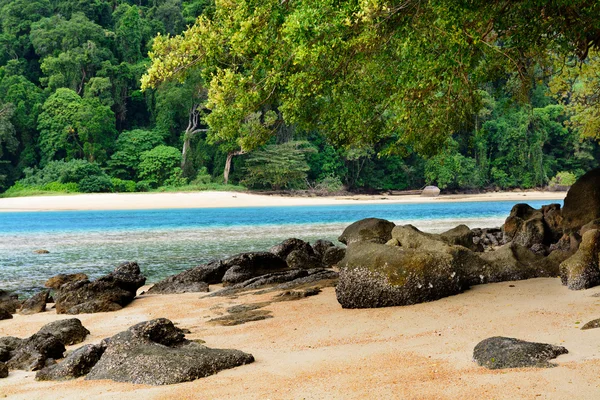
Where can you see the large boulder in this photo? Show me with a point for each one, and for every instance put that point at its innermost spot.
(34, 352)
(157, 353)
(511, 262)
(430, 191)
(35, 304)
(376, 275)
(76, 364)
(373, 230)
(524, 226)
(503, 352)
(196, 279)
(58, 280)
(321, 246)
(582, 203)
(68, 331)
(249, 265)
(9, 301)
(582, 270)
(297, 254)
(108, 293)
(461, 235)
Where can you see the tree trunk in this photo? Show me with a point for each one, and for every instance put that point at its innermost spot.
(228, 164)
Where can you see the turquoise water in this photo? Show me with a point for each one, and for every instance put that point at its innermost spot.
(165, 242)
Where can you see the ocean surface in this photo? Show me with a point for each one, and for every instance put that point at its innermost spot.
(168, 241)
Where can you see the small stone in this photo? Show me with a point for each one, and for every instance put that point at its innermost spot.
(41, 251)
(591, 325)
(503, 352)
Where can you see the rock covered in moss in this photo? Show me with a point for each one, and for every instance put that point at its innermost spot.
(503, 352)
(373, 230)
(582, 204)
(377, 275)
(582, 270)
(156, 353)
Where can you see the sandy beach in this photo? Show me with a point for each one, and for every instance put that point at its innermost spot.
(125, 201)
(314, 349)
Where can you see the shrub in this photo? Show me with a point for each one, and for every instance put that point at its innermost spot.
(330, 184)
(61, 187)
(563, 178)
(143, 186)
(202, 178)
(122, 185)
(95, 184)
(159, 164)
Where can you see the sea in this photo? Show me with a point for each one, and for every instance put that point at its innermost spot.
(167, 241)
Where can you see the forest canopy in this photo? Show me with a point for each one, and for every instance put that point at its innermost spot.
(382, 94)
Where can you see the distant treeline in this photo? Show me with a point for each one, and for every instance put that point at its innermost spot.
(73, 119)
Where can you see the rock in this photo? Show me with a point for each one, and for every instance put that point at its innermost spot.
(303, 259)
(321, 246)
(461, 236)
(4, 314)
(524, 226)
(511, 262)
(409, 237)
(41, 251)
(582, 271)
(156, 353)
(33, 352)
(35, 304)
(430, 191)
(9, 302)
(591, 325)
(248, 265)
(553, 221)
(287, 246)
(567, 242)
(333, 256)
(193, 280)
(595, 224)
(76, 364)
(108, 293)
(373, 230)
(376, 275)
(503, 352)
(488, 238)
(58, 280)
(68, 331)
(582, 204)
(4, 354)
(3, 370)
(10, 343)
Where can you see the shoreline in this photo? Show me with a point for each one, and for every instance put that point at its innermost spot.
(214, 199)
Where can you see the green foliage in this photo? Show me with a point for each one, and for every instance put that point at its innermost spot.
(124, 163)
(95, 184)
(279, 166)
(329, 184)
(563, 178)
(122, 185)
(160, 166)
(452, 170)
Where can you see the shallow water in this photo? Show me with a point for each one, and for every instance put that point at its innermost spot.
(165, 242)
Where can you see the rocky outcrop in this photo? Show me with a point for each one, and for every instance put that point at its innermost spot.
(9, 302)
(76, 364)
(463, 236)
(333, 256)
(503, 352)
(488, 238)
(321, 246)
(373, 230)
(58, 280)
(108, 293)
(34, 352)
(35, 304)
(376, 275)
(534, 229)
(582, 270)
(249, 265)
(157, 353)
(297, 254)
(582, 204)
(68, 331)
(196, 279)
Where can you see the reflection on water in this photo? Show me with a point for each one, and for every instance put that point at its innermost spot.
(76, 244)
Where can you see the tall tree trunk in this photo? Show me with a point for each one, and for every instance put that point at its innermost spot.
(228, 164)
(190, 132)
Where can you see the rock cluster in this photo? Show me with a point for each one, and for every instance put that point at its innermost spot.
(108, 293)
(293, 261)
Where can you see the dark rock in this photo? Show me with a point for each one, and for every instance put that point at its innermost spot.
(4, 314)
(373, 230)
(461, 236)
(4, 354)
(9, 301)
(108, 293)
(193, 280)
(591, 325)
(503, 352)
(68, 331)
(41, 251)
(582, 270)
(567, 242)
(333, 256)
(241, 317)
(248, 265)
(511, 262)
(290, 295)
(156, 353)
(10, 343)
(76, 364)
(3, 370)
(35, 304)
(595, 224)
(376, 275)
(321, 246)
(33, 352)
(287, 246)
(539, 249)
(582, 204)
(524, 226)
(302, 259)
(553, 223)
(58, 280)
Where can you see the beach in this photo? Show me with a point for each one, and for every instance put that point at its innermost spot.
(213, 199)
(314, 349)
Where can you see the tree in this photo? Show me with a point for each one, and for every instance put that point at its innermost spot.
(72, 127)
(124, 163)
(160, 164)
(279, 166)
(363, 71)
